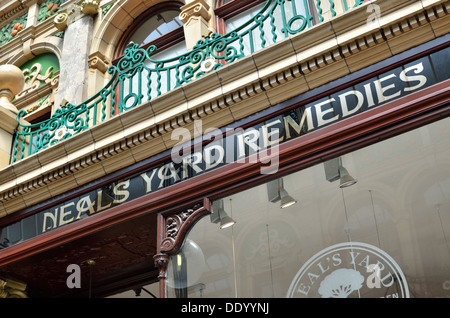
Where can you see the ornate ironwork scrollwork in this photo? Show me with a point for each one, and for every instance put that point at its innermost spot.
(138, 78)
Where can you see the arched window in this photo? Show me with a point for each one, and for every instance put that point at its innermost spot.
(37, 98)
(41, 78)
(158, 26)
(161, 27)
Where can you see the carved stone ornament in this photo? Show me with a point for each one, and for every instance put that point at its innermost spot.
(75, 12)
(90, 7)
(195, 9)
(34, 79)
(12, 83)
(61, 20)
(98, 61)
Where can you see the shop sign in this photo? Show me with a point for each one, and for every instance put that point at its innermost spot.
(350, 270)
(219, 148)
(237, 146)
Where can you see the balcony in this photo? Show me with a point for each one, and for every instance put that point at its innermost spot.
(138, 79)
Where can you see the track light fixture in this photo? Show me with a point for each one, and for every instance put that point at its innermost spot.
(226, 221)
(219, 215)
(286, 200)
(346, 180)
(277, 192)
(334, 170)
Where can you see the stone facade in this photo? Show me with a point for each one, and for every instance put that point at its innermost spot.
(84, 36)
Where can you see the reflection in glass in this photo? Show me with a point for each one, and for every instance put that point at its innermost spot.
(185, 269)
(156, 26)
(400, 207)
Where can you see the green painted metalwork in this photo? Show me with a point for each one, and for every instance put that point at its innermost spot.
(138, 78)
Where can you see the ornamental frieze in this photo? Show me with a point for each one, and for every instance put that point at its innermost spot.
(11, 29)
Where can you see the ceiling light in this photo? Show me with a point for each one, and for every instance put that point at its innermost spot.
(346, 180)
(226, 221)
(276, 192)
(286, 199)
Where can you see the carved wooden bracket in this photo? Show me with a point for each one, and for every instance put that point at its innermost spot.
(172, 230)
(175, 227)
(161, 262)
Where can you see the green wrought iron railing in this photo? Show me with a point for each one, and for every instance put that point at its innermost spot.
(137, 78)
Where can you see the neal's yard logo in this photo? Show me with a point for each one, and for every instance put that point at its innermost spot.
(350, 270)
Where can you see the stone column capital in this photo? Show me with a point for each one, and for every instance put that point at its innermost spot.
(197, 16)
(90, 7)
(195, 9)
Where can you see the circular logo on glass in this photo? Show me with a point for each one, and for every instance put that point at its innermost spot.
(349, 270)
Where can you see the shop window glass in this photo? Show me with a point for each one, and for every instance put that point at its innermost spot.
(4, 241)
(28, 228)
(14, 233)
(440, 61)
(384, 236)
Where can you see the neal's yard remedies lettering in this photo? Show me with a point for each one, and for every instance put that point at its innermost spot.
(348, 270)
(237, 145)
(352, 101)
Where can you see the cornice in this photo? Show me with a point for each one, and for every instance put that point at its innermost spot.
(31, 34)
(314, 57)
(11, 10)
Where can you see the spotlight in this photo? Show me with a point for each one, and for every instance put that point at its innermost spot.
(286, 199)
(334, 170)
(220, 216)
(226, 221)
(277, 192)
(346, 180)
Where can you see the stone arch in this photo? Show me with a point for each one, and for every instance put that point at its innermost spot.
(121, 15)
(36, 49)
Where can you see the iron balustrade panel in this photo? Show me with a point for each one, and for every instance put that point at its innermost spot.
(138, 78)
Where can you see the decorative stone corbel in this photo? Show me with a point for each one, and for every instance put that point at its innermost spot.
(74, 12)
(194, 9)
(198, 23)
(89, 7)
(61, 20)
(98, 61)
